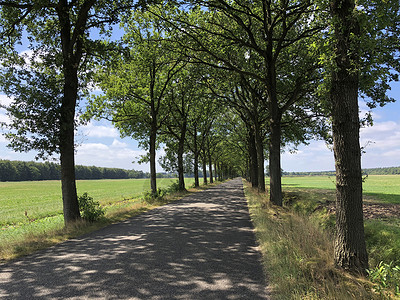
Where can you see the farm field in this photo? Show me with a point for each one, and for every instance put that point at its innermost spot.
(41, 199)
(382, 188)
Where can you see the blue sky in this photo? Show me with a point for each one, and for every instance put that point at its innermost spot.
(99, 144)
(381, 141)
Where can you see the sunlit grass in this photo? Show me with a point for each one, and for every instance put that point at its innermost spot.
(21, 238)
(40, 199)
(298, 255)
(384, 188)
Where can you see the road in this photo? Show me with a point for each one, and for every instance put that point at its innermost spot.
(200, 247)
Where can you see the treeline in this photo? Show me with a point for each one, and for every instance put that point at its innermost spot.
(371, 171)
(322, 173)
(27, 171)
(382, 171)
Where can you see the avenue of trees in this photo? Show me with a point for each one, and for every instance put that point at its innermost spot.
(222, 85)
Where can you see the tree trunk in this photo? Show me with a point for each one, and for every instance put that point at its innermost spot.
(275, 186)
(350, 248)
(204, 167)
(153, 172)
(196, 159)
(260, 158)
(181, 175)
(71, 54)
(210, 168)
(67, 149)
(181, 178)
(253, 160)
(215, 171)
(196, 170)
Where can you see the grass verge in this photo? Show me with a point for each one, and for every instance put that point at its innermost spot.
(25, 238)
(297, 255)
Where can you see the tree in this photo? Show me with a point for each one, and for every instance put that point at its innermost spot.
(181, 101)
(136, 85)
(355, 40)
(47, 86)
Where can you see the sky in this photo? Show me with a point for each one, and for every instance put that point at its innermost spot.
(99, 144)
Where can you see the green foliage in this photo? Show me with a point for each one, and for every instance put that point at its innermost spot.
(90, 210)
(383, 242)
(386, 277)
(173, 188)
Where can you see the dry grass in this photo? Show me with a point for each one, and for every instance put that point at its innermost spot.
(298, 255)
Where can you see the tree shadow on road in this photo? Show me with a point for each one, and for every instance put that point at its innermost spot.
(201, 247)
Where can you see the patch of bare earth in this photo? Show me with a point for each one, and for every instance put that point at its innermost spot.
(376, 210)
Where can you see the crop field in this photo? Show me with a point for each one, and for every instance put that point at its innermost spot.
(383, 188)
(41, 199)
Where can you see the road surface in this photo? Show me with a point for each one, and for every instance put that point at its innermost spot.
(200, 247)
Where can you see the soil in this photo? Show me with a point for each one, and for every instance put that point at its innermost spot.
(376, 210)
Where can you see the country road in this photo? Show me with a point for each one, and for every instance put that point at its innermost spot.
(200, 247)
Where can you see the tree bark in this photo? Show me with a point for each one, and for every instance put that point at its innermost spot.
(71, 48)
(67, 149)
(152, 150)
(215, 171)
(210, 168)
(181, 177)
(253, 160)
(260, 157)
(350, 248)
(275, 186)
(204, 167)
(196, 159)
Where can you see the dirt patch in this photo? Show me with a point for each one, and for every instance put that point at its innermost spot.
(376, 211)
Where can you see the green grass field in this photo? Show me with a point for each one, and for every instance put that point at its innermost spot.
(41, 199)
(42, 202)
(384, 188)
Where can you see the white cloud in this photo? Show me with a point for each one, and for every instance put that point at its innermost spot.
(313, 157)
(99, 131)
(27, 55)
(4, 100)
(118, 144)
(383, 135)
(115, 155)
(382, 149)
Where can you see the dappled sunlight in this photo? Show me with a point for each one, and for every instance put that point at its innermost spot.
(201, 247)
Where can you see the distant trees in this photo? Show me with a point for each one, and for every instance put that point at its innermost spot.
(32, 171)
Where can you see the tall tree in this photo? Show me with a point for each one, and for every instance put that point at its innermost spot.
(47, 85)
(359, 32)
(136, 85)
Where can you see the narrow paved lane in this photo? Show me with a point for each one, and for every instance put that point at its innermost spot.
(201, 247)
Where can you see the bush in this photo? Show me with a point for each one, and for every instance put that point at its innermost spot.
(90, 210)
(173, 188)
(151, 197)
(386, 276)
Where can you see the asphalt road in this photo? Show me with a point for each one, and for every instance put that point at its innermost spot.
(201, 247)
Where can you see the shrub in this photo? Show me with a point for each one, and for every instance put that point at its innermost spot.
(150, 197)
(174, 187)
(386, 276)
(90, 210)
